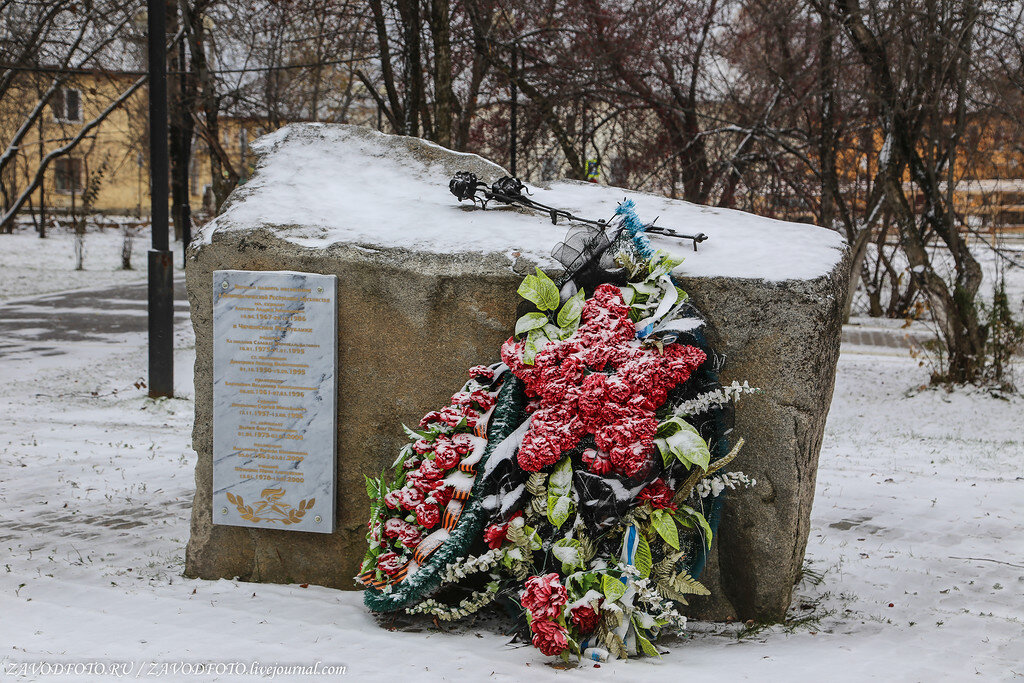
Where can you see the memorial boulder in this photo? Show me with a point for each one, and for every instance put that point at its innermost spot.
(423, 288)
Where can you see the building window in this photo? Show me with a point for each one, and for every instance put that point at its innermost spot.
(67, 105)
(68, 175)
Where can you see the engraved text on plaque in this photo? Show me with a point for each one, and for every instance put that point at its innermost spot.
(274, 389)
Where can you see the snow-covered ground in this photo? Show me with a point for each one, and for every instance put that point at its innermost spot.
(32, 266)
(916, 555)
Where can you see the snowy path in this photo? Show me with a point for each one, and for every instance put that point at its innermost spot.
(96, 484)
(57, 324)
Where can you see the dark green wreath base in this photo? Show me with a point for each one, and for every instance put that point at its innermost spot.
(509, 413)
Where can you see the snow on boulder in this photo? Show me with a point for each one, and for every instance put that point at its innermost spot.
(427, 289)
(321, 185)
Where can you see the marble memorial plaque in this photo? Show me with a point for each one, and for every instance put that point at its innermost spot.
(274, 388)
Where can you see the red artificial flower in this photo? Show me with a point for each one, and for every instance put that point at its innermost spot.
(482, 399)
(389, 563)
(495, 535)
(442, 495)
(597, 462)
(422, 446)
(393, 527)
(553, 429)
(403, 531)
(544, 596)
(463, 443)
(462, 398)
(428, 515)
(585, 618)
(634, 459)
(393, 499)
(481, 372)
(449, 415)
(549, 637)
(571, 400)
(411, 463)
(430, 417)
(411, 497)
(430, 470)
(660, 495)
(409, 535)
(618, 391)
(445, 455)
(415, 480)
(452, 415)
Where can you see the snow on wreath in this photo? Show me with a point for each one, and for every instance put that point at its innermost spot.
(578, 482)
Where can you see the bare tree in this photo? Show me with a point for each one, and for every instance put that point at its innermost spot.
(54, 41)
(918, 58)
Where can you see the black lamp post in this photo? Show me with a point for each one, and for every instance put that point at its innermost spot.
(161, 261)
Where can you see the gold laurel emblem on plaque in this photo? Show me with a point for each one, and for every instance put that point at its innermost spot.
(270, 508)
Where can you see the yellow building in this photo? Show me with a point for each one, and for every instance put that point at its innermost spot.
(108, 171)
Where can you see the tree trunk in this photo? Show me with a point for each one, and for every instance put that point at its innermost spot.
(409, 14)
(180, 128)
(443, 94)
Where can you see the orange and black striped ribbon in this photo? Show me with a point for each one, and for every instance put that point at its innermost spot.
(452, 513)
(427, 547)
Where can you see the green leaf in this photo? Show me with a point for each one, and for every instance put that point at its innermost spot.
(567, 551)
(679, 437)
(612, 588)
(573, 645)
(552, 332)
(532, 537)
(370, 559)
(690, 448)
(684, 584)
(530, 349)
(645, 289)
(372, 487)
(589, 582)
(560, 481)
(399, 481)
(559, 510)
(662, 263)
(694, 516)
(667, 456)
(571, 309)
(403, 455)
(645, 644)
(569, 330)
(560, 493)
(413, 434)
(540, 290)
(643, 561)
(665, 525)
(530, 321)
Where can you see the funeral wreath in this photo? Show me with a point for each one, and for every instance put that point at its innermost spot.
(578, 482)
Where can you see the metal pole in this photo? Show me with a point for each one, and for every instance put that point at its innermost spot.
(514, 92)
(161, 260)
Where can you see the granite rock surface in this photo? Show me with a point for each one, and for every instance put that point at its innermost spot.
(412, 320)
